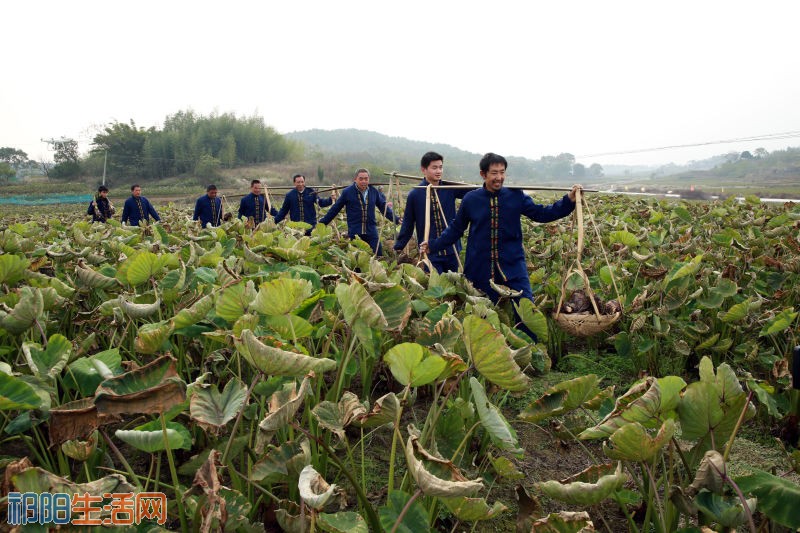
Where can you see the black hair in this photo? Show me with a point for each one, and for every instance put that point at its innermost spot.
(102, 188)
(211, 187)
(429, 158)
(492, 159)
(134, 186)
(294, 178)
(359, 171)
(254, 182)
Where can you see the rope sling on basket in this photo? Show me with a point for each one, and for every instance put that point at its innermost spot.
(585, 323)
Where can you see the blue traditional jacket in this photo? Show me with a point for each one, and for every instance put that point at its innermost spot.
(494, 245)
(100, 209)
(255, 206)
(300, 206)
(414, 216)
(137, 209)
(207, 209)
(360, 213)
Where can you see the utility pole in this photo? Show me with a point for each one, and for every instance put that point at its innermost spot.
(105, 159)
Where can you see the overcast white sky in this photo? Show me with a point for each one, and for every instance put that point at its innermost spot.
(514, 77)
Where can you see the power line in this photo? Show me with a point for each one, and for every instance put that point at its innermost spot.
(767, 137)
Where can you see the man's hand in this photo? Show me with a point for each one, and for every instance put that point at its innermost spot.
(423, 248)
(573, 191)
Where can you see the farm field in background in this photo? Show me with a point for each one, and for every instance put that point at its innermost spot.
(261, 378)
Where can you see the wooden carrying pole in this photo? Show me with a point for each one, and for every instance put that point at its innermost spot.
(461, 185)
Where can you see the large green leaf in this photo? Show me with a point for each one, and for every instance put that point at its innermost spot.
(736, 312)
(412, 364)
(562, 398)
(12, 268)
(151, 337)
(342, 522)
(144, 266)
(500, 431)
(473, 509)
(491, 356)
(589, 487)
(86, 373)
(779, 322)
(195, 313)
(711, 407)
(281, 296)
(414, 521)
(29, 308)
(150, 437)
(95, 280)
(276, 362)
(395, 303)
(50, 361)
(290, 326)
(632, 442)
(357, 304)
(625, 237)
(16, 394)
(139, 310)
(687, 269)
(777, 497)
(233, 301)
(212, 409)
(533, 319)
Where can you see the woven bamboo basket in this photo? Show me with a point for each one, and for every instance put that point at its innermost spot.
(587, 323)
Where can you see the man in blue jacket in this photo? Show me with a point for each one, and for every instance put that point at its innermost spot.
(255, 205)
(432, 167)
(360, 201)
(137, 208)
(208, 208)
(493, 214)
(300, 203)
(101, 207)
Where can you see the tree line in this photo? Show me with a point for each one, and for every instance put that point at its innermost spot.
(187, 143)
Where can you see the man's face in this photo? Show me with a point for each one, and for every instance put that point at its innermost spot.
(103, 194)
(299, 183)
(137, 191)
(493, 179)
(212, 193)
(256, 188)
(433, 174)
(362, 181)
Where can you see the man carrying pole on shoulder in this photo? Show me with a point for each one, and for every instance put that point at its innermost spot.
(256, 205)
(440, 215)
(493, 214)
(137, 208)
(208, 208)
(300, 202)
(360, 200)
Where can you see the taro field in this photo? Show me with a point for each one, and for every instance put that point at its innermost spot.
(261, 379)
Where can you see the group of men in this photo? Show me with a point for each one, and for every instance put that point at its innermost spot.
(492, 213)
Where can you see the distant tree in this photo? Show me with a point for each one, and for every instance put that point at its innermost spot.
(760, 153)
(595, 170)
(227, 154)
(207, 167)
(578, 170)
(746, 155)
(123, 144)
(320, 174)
(6, 172)
(66, 151)
(13, 157)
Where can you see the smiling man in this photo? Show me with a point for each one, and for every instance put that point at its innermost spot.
(137, 208)
(300, 203)
(493, 214)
